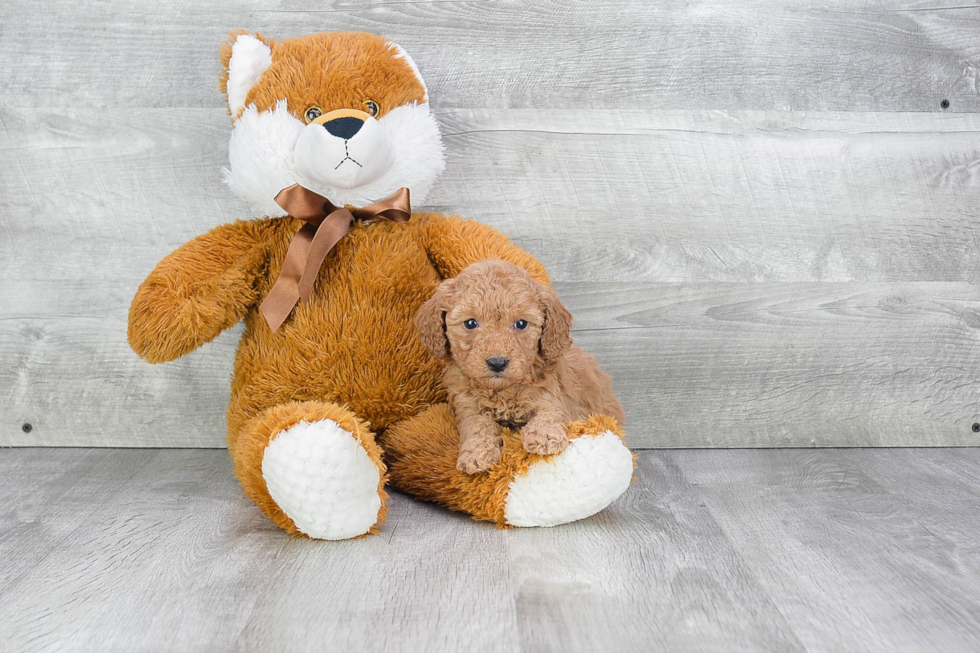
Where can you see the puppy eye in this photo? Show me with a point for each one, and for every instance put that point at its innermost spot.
(372, 107)
(312, 114)
(520, 325)
(471, 323)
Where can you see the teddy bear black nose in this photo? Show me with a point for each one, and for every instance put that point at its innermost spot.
(497, 364)
(344, 127)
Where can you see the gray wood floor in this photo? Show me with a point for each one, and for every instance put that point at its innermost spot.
(710, 550)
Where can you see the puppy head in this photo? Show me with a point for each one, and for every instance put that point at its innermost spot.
(344, 114)
(495, 323)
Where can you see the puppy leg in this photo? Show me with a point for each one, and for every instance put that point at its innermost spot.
(544, 434)
(479, 442)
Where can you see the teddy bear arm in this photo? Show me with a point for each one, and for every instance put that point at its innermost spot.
(199, 290)
(453, 243)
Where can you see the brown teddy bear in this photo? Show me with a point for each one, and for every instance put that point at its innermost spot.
(333, 392)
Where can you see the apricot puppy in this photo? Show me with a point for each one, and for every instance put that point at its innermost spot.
(510, 362)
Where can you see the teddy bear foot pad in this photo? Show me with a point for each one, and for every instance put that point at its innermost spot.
(323, 479)
(585, 478)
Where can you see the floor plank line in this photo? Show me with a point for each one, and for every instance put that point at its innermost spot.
(709, 550)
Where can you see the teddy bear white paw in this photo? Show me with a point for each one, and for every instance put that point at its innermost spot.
(323, 479)
(591, 473)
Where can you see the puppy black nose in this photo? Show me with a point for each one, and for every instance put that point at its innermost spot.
(497, 364)
(344, 127)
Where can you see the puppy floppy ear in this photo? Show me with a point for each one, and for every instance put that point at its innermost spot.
(244, 57)
(556, 334)
(431, 321)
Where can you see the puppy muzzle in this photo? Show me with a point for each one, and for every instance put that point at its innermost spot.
(497, 363)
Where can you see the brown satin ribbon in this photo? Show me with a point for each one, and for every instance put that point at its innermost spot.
(325, 225)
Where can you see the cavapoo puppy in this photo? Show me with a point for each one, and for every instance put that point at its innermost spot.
(510, 362)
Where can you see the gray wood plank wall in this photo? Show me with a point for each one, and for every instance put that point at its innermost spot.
(761, 214)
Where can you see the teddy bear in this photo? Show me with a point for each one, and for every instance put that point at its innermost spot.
(333, 394)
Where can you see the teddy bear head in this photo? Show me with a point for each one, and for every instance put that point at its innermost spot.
(344, 114)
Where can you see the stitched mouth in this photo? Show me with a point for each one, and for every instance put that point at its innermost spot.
(347, 157)
(345, 160)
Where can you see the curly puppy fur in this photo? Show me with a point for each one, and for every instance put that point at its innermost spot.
(510, 362)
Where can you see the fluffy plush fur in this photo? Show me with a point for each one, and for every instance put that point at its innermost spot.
(346, 377)
(327, 72)
(510, 362)
(251, 57)
(421, 454)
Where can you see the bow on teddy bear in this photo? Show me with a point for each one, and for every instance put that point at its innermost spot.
(343, 397)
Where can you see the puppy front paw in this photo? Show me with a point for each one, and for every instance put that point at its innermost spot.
(474, 461)
(544, 439)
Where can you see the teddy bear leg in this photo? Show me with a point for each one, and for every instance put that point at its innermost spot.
(522, 489)
(313, 468)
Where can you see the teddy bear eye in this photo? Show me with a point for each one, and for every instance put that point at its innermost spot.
(520, 325)
(313, 113)
(372, 107)
(471, 324)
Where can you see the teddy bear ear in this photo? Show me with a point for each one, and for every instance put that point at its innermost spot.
(244, 57)
(401, 54)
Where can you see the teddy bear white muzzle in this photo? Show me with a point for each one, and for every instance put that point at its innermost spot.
(342, 149)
